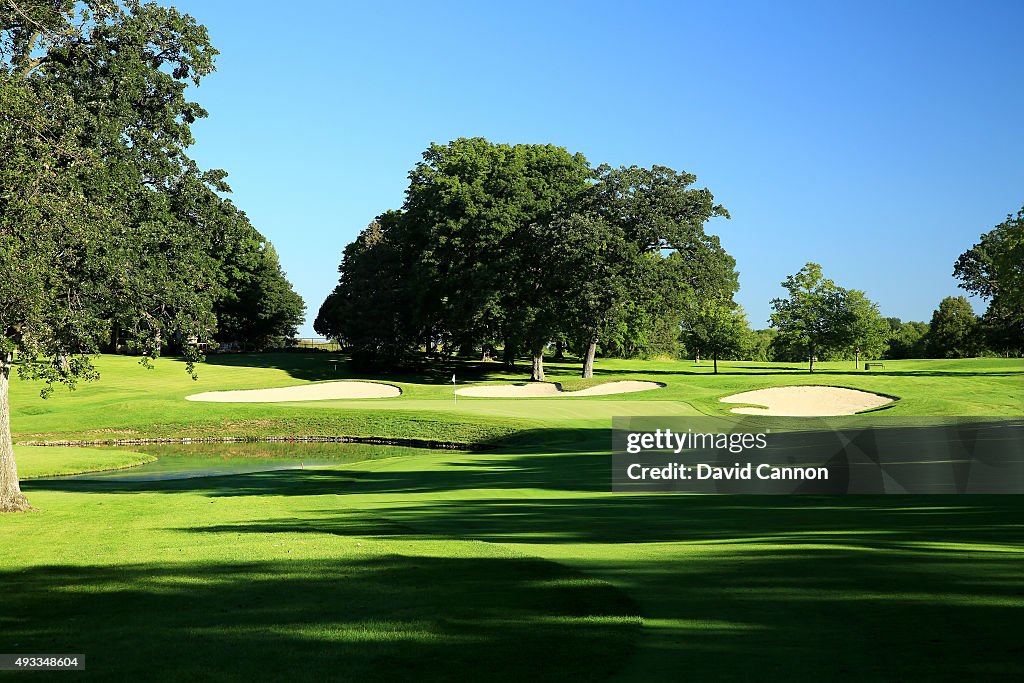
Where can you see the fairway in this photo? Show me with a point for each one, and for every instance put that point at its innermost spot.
(398, 562)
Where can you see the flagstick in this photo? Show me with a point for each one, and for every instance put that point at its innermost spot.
(454, 395)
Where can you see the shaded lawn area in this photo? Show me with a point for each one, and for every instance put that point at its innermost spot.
(425, 565)
(125, 579)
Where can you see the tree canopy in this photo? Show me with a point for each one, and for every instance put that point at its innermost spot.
(719, 329)
(105, 222)
(993, 269)
(868, 332)
(526, 244)
(953, 330)
(815, 318)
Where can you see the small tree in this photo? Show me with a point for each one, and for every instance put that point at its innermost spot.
(953, 330)
(719, 328)
(869, 331)
(815, 317)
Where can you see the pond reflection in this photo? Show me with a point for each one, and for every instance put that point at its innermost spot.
(183, 461)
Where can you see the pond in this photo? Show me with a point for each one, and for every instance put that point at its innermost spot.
(183, 461)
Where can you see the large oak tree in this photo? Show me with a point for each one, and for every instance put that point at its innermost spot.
(647, 232)
(94, 169)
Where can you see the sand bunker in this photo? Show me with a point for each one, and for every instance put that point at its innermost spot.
(306, 392)
(807, 401)
(542, 389)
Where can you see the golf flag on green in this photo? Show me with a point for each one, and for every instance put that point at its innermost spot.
(454, 395)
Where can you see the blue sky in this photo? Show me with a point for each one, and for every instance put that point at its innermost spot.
(878, 139)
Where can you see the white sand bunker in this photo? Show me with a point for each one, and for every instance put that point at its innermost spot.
(306, 392)
(542, 389)
(812, 401)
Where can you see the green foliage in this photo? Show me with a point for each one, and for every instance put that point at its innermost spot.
(512, 243)
(111, 78)
(480, 213)
(371, 310)
(994, 270)
(761, 347)
(815, 319)
(907, 339)
(650, 260)
(953, 332)
(468, 258)
(869, 331)
(258, 308)
(106, 225)
(718, 329)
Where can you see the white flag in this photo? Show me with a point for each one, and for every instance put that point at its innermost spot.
(453, 378)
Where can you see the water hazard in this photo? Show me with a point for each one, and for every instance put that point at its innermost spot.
(183, 461)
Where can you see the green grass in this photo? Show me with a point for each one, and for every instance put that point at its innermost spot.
(39, 461)
(503, 564)
(131, 400)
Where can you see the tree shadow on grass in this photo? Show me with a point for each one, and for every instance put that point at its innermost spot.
(383, 618)
(333, 366)
(759, 371)
(478, 495)
(730, 587)
(745, 588)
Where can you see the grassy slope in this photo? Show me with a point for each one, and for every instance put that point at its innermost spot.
(38, 461)
(503, 562)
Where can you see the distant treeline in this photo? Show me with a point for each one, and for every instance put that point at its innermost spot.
(959, 333)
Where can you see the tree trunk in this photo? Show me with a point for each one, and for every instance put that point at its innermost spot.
(714, 356)
(812, 360)
(588, 359)
(857, 360)
(696, 358)
(11, 497)
(509, 357)
(537, 373)
(559, 351)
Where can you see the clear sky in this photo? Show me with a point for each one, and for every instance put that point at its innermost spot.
(879, 139)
